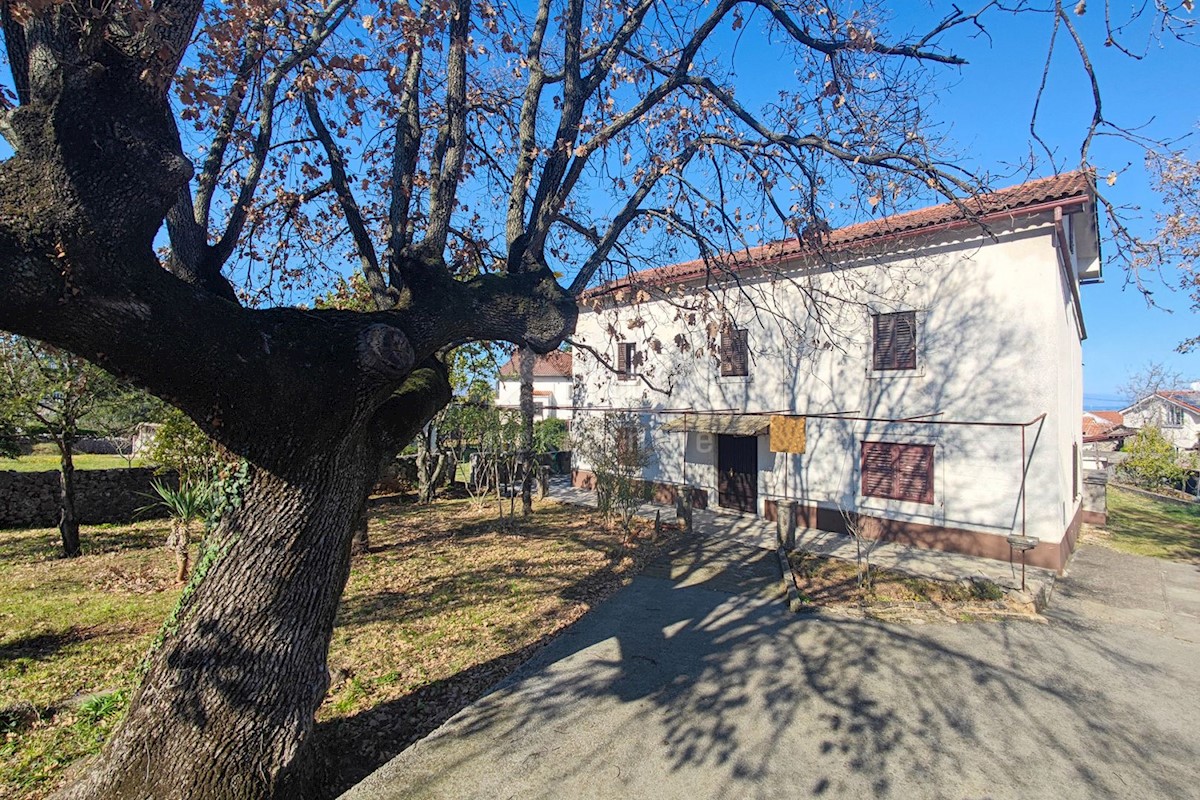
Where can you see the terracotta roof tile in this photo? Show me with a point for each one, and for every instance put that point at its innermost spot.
(1014, 200)
(555, 364)
(1098, 423)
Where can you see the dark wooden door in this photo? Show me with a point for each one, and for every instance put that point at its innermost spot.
(737, 472)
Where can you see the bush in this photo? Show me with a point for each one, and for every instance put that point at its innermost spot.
(1152, 460)
(549, 435)
(181, 447)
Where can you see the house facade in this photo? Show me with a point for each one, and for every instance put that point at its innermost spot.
(552, 385)
(917, 378)
(1174, 412)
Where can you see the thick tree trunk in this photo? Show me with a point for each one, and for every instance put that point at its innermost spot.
(310, 399)
(525, 359)
(228, 704)
(68, 520)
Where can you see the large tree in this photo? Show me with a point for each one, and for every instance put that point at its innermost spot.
(463, 153)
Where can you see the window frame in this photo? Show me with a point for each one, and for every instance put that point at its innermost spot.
(870, 479)
(1175, 418)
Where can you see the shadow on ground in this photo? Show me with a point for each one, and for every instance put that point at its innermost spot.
(679, 691)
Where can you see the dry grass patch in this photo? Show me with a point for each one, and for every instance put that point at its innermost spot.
(830, 583)
(449, 601)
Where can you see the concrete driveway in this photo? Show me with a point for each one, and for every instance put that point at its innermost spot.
(678, 690)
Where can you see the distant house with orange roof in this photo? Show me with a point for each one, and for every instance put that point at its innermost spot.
(552, 385)
(919, 374)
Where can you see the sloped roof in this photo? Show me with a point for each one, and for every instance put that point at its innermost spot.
(1014, 201)
(1185, 398)
(1099, 425)
(555, 364)
(1188, 398)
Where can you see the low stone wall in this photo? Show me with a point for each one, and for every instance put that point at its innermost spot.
(30, 499)
(1166, 498)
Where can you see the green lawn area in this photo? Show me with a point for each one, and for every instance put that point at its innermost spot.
(1147, 527)
(45, 458)
(46, 462)
(447, 602)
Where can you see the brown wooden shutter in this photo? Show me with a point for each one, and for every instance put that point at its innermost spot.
(876, 469)
(735, 352)
(1075, 469)
(895, 341)
(624, 351)
(898, 471)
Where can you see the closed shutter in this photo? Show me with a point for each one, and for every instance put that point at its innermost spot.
(1075, 470)
(625, 351)
(895, 343)
(735, 352)
(898, 471)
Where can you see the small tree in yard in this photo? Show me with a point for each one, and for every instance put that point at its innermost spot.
(614, 446)
(1152, 460)
(56, 391)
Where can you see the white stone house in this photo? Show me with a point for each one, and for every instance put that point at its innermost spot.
(1174, 412)
(552, 385)
(926, 368)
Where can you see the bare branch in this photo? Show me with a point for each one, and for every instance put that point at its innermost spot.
(368, 260)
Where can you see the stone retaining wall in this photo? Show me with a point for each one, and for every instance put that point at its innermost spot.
(30, 499)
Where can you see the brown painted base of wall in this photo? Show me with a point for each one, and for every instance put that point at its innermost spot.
(664, 493)
(1095, 518)
(1048, 555)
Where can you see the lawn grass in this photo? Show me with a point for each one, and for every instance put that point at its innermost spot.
(1145, 526)
(47, 462)
(448, 601)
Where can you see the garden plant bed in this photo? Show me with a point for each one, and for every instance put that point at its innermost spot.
(448, 601)
(828, 584)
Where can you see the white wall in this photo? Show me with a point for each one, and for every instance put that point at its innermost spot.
(997, 342)
(1152, 411)
(556, 405)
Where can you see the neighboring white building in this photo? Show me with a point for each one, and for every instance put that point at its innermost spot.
(1174, 412)
(552, 382)
(928, 369)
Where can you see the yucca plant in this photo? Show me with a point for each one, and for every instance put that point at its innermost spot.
(188, 506)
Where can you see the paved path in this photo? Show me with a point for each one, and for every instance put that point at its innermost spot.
(682, 691)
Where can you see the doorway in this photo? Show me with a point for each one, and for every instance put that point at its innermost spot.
(737, 472)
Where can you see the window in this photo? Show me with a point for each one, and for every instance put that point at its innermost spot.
(627, 445)
(895, 341)
(1174, 417)
(898, 471)
(627, 361)
(735, 352)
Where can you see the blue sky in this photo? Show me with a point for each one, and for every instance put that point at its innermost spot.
(986, 108)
